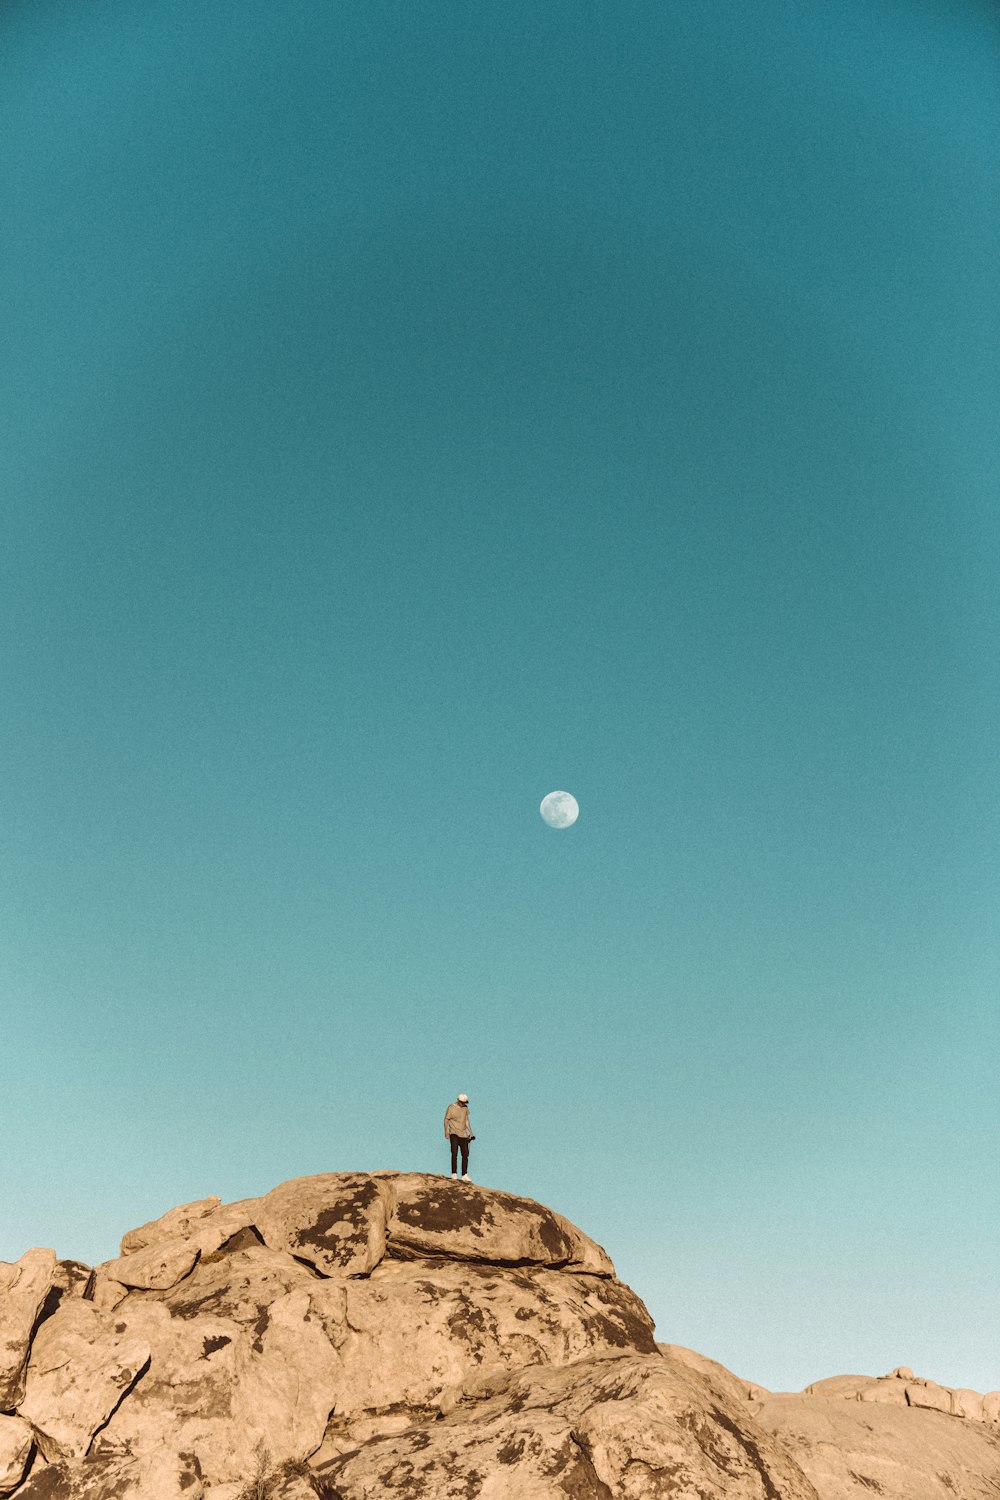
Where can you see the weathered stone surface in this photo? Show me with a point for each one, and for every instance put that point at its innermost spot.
(967, 1404)
(106, 1293)
(165, 1477)
(71, 1278)
(232, 1340)
(336, 1221)
(636, 1426)
(414, 1332)
(991, 1406)
(82, 1363)
(716, 1374)
(436, 1217)
(884, 1393)
(849, 1387)
(16, 1442)
(165, 1261)
(854, 1449)
(174, 1224)
(24, 1286)
(218, 1388)
(403, 1335)
(157, 1267)
(927, 1394)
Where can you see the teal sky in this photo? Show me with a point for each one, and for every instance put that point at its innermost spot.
(408, 410)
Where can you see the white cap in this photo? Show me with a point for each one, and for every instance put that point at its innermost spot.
(463, 1098)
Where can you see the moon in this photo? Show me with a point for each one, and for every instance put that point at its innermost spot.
(560, 809)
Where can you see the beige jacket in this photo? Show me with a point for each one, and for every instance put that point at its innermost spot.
(456, 1122)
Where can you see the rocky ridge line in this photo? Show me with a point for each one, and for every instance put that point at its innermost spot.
(350, 1335)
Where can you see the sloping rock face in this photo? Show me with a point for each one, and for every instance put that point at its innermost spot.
(855, 1449)
(354, 1335)
(896, 1436)
(635, 1427)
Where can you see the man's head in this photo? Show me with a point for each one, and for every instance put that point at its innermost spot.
(463, 1098)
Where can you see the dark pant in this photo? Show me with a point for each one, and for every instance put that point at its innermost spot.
(459, 1143)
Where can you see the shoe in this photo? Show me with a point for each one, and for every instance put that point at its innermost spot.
(454, 1176)
(466, 1178)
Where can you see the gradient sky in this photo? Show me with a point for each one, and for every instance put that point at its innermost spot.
(411, 409)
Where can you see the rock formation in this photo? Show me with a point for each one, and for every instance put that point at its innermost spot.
(893, 1436)
(353, 1336)
(898, 1437)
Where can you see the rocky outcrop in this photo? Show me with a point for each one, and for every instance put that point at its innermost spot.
(854, 1449)
(639, 1426)
(896, 1436)
(902, 1388)
(354, 1335)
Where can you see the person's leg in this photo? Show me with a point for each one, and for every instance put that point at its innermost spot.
(455, 1143)
(465, 1157)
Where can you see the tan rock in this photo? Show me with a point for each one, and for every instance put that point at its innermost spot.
(291, 1486)
(885, 1393)
(174, 1224)
(71, 1278)
(253, 1344)
(717, 1375)
(436, 1217)
(165, 1261)
(967, 1404)
(105, 1292)
(991, 1406)
(634, 1426)
(226, 1223)
(927, 1394)
(412, 1332)
(24, 1286)
(847, 1387)
(82, 1364)
(335, 1221)
(16, 1443)
(105, 1477)
(157, 1267)
(901, 1372)
(404, 1335)
(218, 1389)
(861, 1449)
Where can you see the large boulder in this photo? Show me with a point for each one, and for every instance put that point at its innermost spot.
(336, 1222)
(24, 1286)
(16, 1443)
(218, 1386)
(177, 1223)
(82, 1364)
(431, 1217)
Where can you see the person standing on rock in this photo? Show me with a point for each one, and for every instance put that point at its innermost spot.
(458, 1131)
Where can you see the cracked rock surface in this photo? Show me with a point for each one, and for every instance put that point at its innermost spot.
(352, 1335)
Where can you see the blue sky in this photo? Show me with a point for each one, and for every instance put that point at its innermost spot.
(409, 411)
